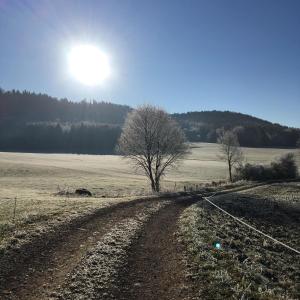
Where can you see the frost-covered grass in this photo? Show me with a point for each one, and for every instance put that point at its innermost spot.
(29, 241)
(95, 277)
(35, 178)
(34, 214)
(248, 266)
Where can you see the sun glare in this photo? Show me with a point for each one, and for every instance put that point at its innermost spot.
(89, 65)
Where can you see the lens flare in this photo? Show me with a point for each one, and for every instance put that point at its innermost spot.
(217, 245)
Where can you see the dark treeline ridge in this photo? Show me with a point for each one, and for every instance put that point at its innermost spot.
(252, 132)
(57, 138)
(30, 107)
(31, 122)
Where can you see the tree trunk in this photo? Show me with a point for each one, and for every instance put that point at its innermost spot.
(230, 172)
(150, 175)
(157, 185)
(153, 186)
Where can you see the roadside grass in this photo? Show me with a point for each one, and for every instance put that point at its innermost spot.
(45, 211)
(248, 265)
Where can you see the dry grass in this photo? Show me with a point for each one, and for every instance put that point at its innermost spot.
(248, 266)
(35, 178)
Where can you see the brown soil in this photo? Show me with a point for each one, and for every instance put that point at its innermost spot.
(46, 269)
(155, 268)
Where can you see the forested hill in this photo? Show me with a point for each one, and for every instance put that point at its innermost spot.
(252, 132)
(30, 107)
(39, 123)
(32, 122)
(220, 118)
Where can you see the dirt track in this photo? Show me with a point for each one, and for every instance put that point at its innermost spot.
(155, 268)
(154, 262)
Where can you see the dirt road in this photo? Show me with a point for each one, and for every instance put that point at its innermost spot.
(155, 268)
(143, 261)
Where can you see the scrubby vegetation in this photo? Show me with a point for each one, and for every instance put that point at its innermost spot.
(284, 168)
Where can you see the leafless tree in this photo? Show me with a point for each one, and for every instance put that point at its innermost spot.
(230, 149)
(153, 141)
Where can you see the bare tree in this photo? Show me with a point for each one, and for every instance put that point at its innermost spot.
(153, 141)
(230, 149)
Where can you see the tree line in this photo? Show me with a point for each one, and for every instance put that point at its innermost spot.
(252, 132)
(25, 106)
(31, 122)
(39, 123)
(60, 138)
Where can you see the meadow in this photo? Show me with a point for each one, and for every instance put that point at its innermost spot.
(33, 180)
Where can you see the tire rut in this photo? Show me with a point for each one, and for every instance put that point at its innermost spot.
(155, 268)
(45, 272)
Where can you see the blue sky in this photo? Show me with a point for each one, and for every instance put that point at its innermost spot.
(183, 55)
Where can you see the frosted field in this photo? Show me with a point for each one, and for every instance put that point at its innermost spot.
(35, 178)
(108, 175)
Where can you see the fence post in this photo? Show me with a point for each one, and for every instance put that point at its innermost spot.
(15, 207)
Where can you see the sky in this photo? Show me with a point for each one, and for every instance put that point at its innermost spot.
(187, 55)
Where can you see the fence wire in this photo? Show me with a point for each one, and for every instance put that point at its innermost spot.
(251, 227)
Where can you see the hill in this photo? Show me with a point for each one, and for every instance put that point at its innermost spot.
(252, 131)
(30, 107)
(31, 122)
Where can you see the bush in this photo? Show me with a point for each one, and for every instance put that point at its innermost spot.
(284, 168)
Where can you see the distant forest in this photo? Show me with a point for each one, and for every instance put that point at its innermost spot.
(252, 132)
(32, 122)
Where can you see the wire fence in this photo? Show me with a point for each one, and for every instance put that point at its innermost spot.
(250, 226)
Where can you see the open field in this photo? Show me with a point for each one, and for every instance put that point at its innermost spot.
(35, 178)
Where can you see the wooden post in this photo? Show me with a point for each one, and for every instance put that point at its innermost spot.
(15, 207)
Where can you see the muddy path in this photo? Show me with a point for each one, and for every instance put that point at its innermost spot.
(155, 267)
(45, 270)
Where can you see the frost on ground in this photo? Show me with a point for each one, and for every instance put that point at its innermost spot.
(248, 266)
(24, 244)
(95, 277)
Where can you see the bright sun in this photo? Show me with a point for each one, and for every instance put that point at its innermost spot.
(89, 65)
